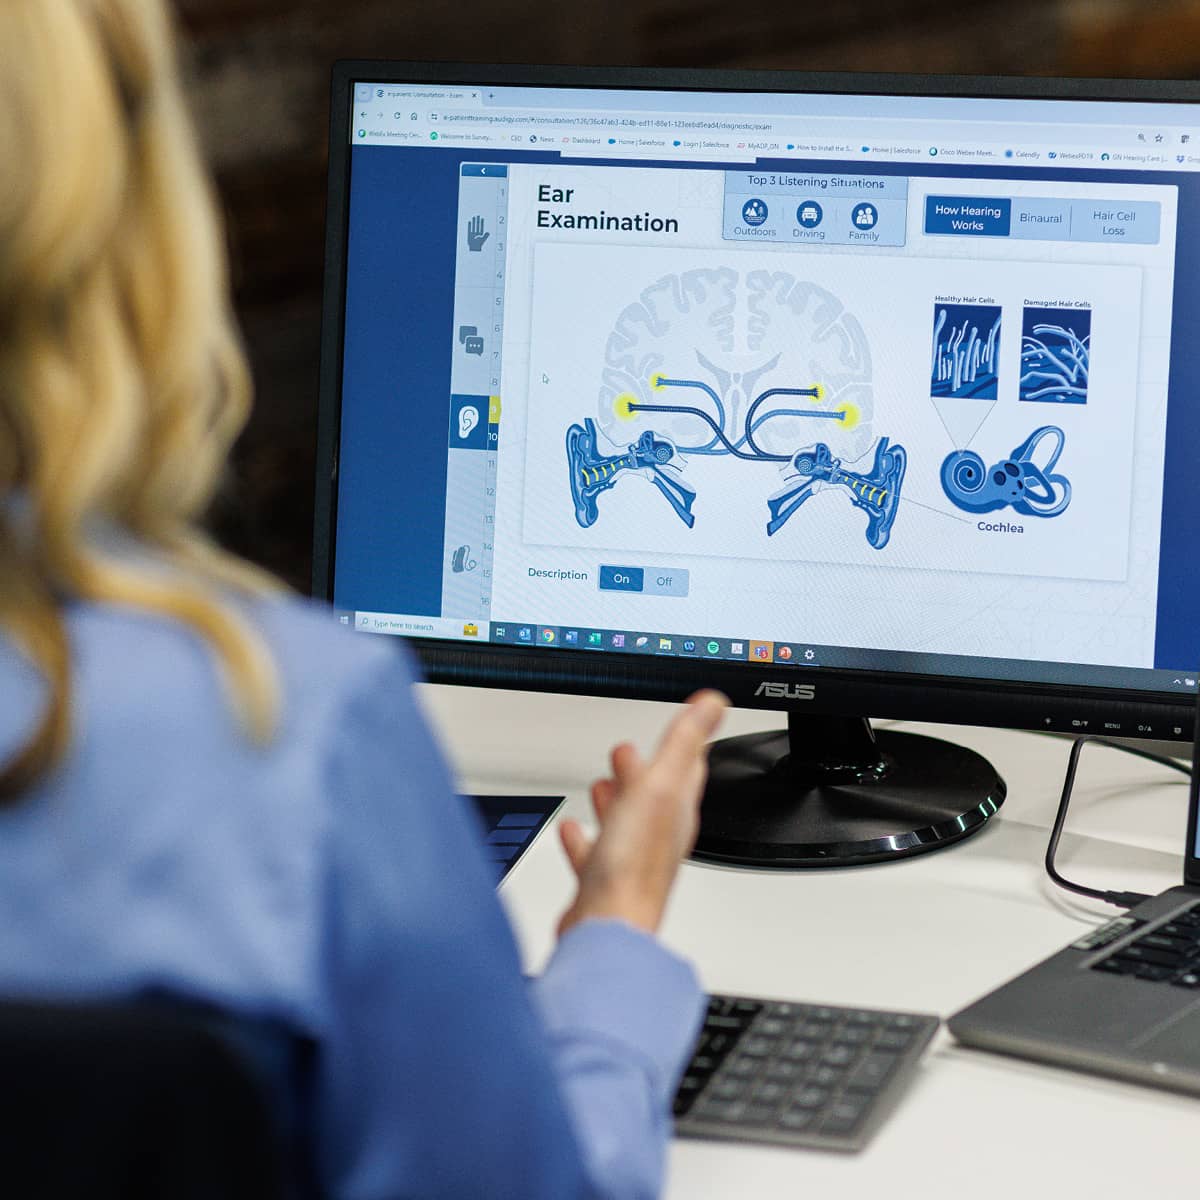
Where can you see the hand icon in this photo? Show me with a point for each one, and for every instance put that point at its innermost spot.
(476, 235)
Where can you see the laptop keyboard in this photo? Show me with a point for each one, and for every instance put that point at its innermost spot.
(1168, 953)
(797, 1074)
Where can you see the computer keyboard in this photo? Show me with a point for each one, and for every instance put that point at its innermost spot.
(1167, 953)
(797, 1074)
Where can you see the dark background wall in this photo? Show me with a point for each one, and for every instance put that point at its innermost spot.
(257, 73)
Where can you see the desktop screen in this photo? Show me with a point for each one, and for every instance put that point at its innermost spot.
(876, 382)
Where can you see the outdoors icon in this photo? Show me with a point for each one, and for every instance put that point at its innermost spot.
(754, 212)
(864, 216)
(476, 234)
(468, 335)
(809, 214)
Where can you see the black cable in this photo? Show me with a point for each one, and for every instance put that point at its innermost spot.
(1120, 899)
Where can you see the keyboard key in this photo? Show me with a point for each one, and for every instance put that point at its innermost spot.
(843, 1117)
(1157, 958)
(730, 1089)
(742, 1066)
(872, 1071)
(796, 1119)
(769, 1093)
(852, 1035)
(800, 1051)
(828, 1077)
(838, 1056)
(810, 1097)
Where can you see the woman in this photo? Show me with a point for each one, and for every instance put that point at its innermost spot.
(210, 793)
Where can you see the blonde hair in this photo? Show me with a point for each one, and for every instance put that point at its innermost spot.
(122, 380)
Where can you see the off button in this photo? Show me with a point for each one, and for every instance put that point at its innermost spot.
(666, 581)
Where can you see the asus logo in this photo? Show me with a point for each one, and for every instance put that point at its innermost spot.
(787, 691)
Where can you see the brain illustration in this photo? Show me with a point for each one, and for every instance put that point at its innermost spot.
(715, 339)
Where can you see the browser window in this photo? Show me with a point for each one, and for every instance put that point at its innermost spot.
(865, 379)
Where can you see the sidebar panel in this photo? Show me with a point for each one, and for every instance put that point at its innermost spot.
(474, 432)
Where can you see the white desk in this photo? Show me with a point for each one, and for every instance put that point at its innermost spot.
(929, 933)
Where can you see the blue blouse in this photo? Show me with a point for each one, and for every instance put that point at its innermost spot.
(334, 886)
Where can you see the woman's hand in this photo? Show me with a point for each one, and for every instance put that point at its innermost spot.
(649, 813)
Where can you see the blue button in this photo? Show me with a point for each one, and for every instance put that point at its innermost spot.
(621, 579)
(968, 216)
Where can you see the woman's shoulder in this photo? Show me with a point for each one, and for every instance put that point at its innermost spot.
(133, 659)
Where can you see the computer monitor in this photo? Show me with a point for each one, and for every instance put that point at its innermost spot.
(640, 381)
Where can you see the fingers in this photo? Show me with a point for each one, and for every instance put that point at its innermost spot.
(626, 763)
(576, 843)
(690, 729)
(604, 792)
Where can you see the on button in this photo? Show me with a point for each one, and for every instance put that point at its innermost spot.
(621, 579)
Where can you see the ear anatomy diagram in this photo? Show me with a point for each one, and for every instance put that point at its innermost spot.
(1016, 482)
(656, 458)
(1056, 354)
(878, 493)
(593, 472)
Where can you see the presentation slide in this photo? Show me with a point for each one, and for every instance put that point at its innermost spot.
(893, 411)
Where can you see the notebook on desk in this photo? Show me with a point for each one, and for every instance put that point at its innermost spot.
(1122, 1000)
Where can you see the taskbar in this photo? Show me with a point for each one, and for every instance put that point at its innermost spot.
(761, 652)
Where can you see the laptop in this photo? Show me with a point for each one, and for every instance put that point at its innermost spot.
(1123, 1000)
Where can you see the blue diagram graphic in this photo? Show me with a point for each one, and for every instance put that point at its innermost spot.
(1056, 355)
(1016, 482)
(966, 351)
(754, 212)
(877, 493)
(593, 472)
(660, 460)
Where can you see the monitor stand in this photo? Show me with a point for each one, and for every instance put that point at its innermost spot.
(831, 792)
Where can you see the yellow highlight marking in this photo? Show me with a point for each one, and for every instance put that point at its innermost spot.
(621, 405)
(852, 414)
(819, 389)
(493, 410)
(656, 382)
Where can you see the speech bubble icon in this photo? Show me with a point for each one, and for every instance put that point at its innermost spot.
(468, 418)
(474, 345)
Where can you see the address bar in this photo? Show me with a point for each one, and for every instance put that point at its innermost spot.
(583, 120)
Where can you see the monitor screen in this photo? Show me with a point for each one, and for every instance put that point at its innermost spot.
(784, 383)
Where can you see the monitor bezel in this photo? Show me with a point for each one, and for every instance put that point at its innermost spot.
(941, 698)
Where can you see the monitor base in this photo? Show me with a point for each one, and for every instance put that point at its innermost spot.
(830, 792)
